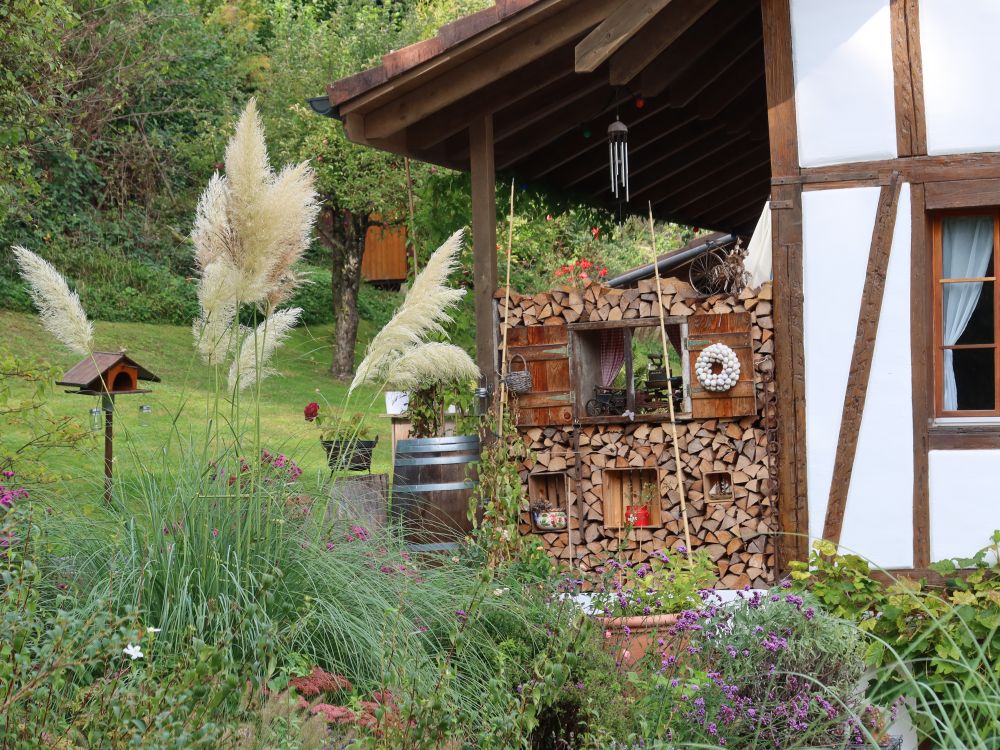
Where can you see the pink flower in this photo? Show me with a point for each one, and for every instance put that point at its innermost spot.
(548, 217)
(215, 533)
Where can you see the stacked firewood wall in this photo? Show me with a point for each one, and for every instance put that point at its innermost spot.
(737, 532)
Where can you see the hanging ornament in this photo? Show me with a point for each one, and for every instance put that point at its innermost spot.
(618, 153)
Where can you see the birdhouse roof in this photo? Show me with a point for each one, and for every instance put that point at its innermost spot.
(89, 369)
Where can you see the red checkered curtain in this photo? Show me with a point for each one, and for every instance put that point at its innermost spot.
(612, 355)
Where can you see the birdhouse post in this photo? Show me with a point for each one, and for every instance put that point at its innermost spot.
(107, 374)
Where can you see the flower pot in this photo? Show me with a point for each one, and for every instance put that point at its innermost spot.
(632, 638)
(637, 515)
(349, 455)
(551, 520)
(889, 743)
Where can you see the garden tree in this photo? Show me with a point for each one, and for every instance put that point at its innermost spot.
(355, 183)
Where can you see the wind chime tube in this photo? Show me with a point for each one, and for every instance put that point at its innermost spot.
(625, 170)
(611, 166)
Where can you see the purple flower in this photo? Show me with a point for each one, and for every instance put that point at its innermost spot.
(462, 615)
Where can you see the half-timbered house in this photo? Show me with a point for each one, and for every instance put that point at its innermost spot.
(871, 125)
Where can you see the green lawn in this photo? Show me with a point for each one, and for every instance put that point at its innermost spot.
(182, 402)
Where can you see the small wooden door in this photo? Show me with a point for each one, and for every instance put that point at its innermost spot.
(733, 330)
(545, 349)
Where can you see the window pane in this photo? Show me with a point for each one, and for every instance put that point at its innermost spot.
(975, 378)
(967, 313)
(966, 246)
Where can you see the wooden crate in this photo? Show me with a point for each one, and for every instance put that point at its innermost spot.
(553, 487)
(624, 487)
(717, 487)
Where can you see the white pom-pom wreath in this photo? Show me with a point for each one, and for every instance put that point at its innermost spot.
(727, 377)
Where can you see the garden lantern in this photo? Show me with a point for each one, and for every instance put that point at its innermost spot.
(107, 374)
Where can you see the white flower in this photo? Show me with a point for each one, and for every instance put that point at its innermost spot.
(152, 630)
(629, 414)
(497, 592)
(133, 651)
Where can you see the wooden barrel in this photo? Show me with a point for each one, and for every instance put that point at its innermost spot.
(432, 481)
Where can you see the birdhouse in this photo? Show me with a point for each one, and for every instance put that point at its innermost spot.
(107, 373)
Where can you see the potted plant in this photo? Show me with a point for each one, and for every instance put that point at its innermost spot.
(547, 518)
(637, 603)
(347, 440)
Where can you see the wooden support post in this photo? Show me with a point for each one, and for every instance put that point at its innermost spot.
(786, 247)
(108, 405)
(484, 243)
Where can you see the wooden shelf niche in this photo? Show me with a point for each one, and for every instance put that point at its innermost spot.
(553, 487)
(718, 486)
(624, 487)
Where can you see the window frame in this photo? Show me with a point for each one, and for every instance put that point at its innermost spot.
(937, 270)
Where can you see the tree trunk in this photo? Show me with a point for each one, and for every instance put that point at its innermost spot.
(344, 233)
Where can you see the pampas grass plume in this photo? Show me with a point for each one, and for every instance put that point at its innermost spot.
(59, 309)
(259, 345)
(424, 311)
(432, 363)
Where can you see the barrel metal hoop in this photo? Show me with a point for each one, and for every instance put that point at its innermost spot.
(435, 460)
(407, 488)
(439, 547)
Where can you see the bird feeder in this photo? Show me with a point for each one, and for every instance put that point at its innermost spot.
(107, 374)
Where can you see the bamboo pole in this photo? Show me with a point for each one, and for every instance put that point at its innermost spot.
(413, 224)
(506, 310)
(670, 396)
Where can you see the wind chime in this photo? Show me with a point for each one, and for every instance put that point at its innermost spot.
(618, 153)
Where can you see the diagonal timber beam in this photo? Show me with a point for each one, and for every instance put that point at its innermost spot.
(654, 37)
(616, 29)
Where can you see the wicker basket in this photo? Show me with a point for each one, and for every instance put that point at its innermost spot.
(518, 381)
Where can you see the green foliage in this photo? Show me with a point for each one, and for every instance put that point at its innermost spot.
(667, 584)
(937, 646)
(25, 385)
(66, 673)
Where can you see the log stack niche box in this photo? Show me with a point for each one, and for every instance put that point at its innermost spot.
(108, 375)
(596, 422)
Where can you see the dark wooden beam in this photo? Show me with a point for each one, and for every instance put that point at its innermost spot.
(509, 90)
(727, 199)
(484, 243)
(684, 91)
(662, 31)
(571, 119)
(614, 31)
(907, 65)
(921, 365)
(702, 39)
(691, 144)
(646, 143)
(728, 166)
(730, 86)
(645, 126)
(786, 251)
(489, 67)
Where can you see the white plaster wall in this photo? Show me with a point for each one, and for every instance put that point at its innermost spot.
(964, 502)
(844, 96)
(878, 521)
(837, 227)
(836, 235)
(960, 49)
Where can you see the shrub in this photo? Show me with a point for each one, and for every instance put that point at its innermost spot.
(766, 671)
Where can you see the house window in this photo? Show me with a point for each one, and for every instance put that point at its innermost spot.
(966, 315)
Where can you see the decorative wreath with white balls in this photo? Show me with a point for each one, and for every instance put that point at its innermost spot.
(727, 377)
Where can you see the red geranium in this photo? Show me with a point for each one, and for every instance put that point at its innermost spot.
(311, 411)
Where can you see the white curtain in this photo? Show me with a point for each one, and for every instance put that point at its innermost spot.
(758, 261)
(967, 245)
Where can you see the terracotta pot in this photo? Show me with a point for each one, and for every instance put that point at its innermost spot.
(641, 637)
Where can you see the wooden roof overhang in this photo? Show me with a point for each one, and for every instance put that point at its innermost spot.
(543, 71)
